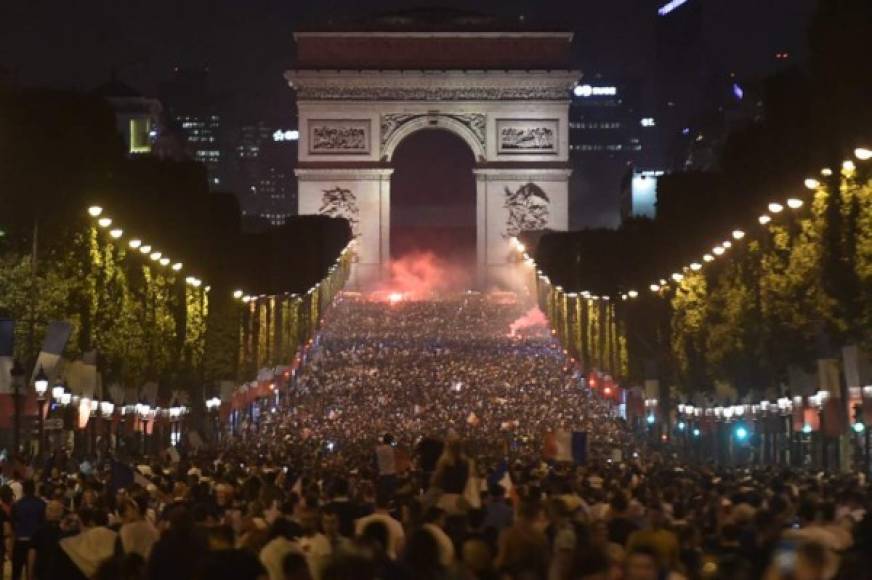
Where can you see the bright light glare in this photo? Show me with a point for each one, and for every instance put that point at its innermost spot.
(654, 288)
(812, 183)
(134, 243)
(95, 211)
(238, 294)
(708, 258)
(738, 234)
(395, 297)
(116, 233)
(848, 166)
(862, 154)
(177, 266)
(718, 251)
(146, 249)
(632, 294)
(696, 266)
(794, 203)
(678, 277)
(741, 433)
(104, 222)
(764, 219)
(164, 261)
(775, 207)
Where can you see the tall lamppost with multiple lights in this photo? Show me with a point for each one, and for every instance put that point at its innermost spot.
(40, 385)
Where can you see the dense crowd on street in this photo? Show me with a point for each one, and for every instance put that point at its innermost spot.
(411, 446)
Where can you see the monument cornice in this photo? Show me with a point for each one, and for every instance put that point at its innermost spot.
(418, 85)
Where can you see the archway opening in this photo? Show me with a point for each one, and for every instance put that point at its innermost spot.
(433, 200)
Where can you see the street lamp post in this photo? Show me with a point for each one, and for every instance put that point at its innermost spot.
(212, 406)
(17, 374)
(144, 412)
(40, 385)
(107, 408)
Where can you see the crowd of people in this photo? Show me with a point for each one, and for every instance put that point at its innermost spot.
(410, 445)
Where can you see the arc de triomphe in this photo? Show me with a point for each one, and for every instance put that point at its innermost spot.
(359, 94)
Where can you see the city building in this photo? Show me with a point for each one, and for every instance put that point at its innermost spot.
(137, 117)
(264, 161)
(609, 135)
(193, 111)
(639, 193)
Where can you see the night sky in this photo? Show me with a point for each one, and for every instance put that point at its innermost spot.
(247, 44)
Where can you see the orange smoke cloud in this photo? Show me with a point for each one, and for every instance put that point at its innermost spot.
(419, 275)
(532, 322)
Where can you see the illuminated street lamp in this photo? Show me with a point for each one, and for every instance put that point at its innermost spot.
(812, 183)
(764, 219)
(738, 234)
(776, 207)
(794, 203)
(40, 385)
(863, 154)
(143, 410)
(95, 211)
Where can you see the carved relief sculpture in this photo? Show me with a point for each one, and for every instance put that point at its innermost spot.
(341, 202)
(530, 137)
(337, 136)
(529, 209)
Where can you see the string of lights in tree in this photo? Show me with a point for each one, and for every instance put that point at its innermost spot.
(147, 250)
(775, 208)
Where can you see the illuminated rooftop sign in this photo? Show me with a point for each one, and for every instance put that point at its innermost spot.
(589, 91)
(670, 6)
(286, 135)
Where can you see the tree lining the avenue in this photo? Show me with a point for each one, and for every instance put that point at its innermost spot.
(177, 319)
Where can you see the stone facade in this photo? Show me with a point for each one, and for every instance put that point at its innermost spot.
(515, 123)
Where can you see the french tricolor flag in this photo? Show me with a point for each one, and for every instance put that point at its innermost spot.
(568, 446)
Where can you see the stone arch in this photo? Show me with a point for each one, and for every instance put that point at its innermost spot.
(433, 121)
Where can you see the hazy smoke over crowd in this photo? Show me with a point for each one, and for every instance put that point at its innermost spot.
(532, 322)
(419, 275)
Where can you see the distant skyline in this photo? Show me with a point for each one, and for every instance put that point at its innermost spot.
(248, 45)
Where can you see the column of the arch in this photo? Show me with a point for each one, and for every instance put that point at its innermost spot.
(493, 186)
(481, 230)
(385, 224)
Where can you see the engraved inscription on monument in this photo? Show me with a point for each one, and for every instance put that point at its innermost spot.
(339, 136)
(527, 137)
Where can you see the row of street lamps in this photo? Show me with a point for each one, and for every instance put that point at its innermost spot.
(94, 408)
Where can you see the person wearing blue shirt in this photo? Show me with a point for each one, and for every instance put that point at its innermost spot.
(28, 515)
